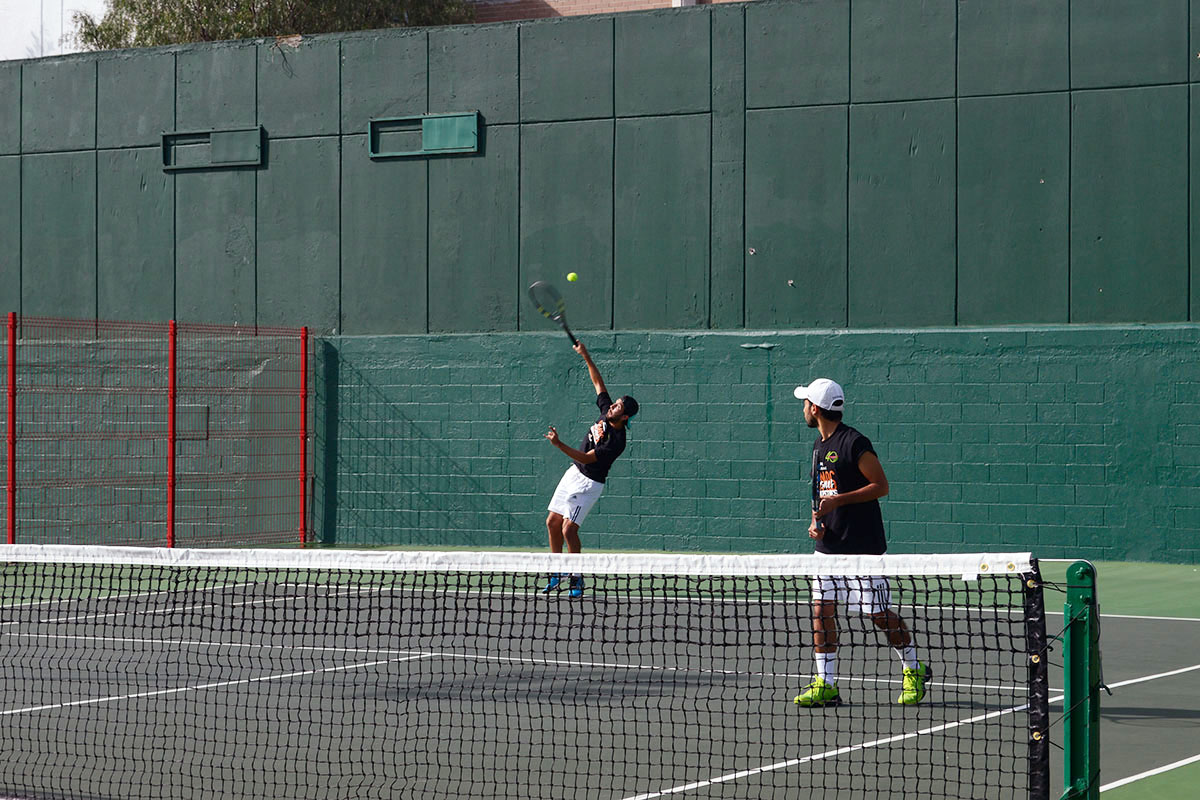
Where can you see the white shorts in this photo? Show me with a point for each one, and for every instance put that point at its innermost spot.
(575, 495)
(860, 594)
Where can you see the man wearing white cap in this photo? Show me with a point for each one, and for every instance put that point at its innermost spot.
(847, 482)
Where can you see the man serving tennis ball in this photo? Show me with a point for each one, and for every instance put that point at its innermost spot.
(847, 482)
(583, 481)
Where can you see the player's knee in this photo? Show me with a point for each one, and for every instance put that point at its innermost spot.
(886, 621)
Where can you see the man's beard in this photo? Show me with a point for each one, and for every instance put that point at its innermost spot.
(812, 423)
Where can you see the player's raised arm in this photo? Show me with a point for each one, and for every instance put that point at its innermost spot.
(575, 455)
(593, 373)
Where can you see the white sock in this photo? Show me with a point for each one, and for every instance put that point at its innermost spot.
(827, 667)
(908, 656)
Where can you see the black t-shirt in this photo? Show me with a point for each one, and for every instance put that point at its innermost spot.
(607, 440)
(855, 529)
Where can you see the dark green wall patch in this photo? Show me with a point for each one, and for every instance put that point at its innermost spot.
(1013, 185)
(58, 105)
(136, 99)
(1014, 46)
(10, 108)
(213, 149)
(424, 135)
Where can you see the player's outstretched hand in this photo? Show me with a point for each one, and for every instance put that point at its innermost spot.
(579, 348)
(552, 435)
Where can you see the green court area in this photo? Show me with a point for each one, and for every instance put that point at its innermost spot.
(1177, 784)
(1150, 645)
(1137, 588)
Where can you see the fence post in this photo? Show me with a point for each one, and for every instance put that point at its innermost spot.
(1081, 695)
(12, 428)
(171, 393)
(303, 435)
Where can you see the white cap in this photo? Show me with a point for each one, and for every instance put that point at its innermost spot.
(823, 393)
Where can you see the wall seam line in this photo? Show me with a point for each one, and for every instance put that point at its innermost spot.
(849, 153)
(96, 189)
(1070, 160)
(957, 170)
(339, 320)
(428, 215)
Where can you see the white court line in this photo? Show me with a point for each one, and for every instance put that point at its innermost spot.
(981, 611)
(159, 611)
(32, 603)
(797, 676)
(176, 609)
(1159, 770)
(1149, 773)
(1143, 679)
(957, 611)
(202, 643)
(200, 687)
(799, 601)
(828, 754)
(1141, 616)
(880, 742)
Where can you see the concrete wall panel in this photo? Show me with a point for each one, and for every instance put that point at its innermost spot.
(136, 236)
(58, 235)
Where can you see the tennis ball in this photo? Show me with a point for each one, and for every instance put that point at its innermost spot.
(572, 276)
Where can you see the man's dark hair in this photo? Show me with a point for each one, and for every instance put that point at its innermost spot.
(630, 405)
(832, 416)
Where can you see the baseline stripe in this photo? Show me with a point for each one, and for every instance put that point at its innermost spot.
(1151, 772)
(524, 660)
(889, 740)
(829, 753)
(200, 687)
(1145, 678)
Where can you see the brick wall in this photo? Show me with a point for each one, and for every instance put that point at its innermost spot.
(1005, 438)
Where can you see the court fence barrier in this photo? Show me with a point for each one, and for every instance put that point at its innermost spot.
(155, 433)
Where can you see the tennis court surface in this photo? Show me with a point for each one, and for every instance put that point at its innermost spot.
(135, 673)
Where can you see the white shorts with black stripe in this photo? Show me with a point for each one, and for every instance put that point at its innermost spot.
(575, 495)
(860, 594)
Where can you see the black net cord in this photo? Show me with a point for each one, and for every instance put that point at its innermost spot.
(1036, 647)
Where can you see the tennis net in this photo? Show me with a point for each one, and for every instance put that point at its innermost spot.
(151, 673)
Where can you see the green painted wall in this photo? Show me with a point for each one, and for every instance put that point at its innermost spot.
(901, 163)
(996, 438)
(863, 183)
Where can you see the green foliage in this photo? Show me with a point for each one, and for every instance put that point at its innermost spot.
(149, 23)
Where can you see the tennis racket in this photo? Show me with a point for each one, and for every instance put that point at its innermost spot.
(550, 303)
(816, 489)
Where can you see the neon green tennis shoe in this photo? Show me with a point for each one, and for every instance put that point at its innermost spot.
(819, 693)
(915, 680)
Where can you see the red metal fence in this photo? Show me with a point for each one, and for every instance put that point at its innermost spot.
(155, 433)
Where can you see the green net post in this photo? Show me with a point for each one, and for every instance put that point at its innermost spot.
(1081, 699)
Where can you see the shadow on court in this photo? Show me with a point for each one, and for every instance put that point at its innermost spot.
(1152, 718)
